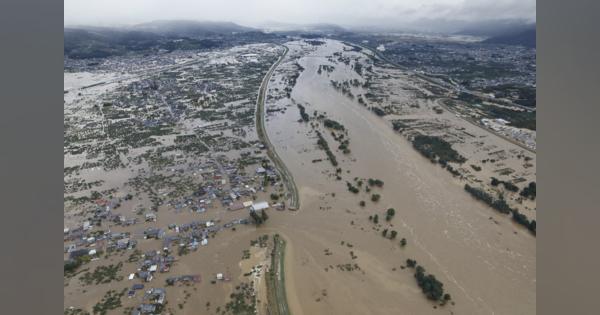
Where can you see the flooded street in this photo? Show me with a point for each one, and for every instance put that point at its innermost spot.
(161, 168)
(486, 262)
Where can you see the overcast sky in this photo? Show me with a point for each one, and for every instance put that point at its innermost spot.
(256, 12)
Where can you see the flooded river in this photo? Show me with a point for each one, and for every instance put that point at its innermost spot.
(485, 261)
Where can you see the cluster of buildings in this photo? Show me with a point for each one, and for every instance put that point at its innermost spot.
(154, 300)
(483, 65)
(166, 133)
(525, 136)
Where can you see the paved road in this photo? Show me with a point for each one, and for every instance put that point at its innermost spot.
(286, 175)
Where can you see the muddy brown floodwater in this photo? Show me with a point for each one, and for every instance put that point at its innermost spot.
(486, 262)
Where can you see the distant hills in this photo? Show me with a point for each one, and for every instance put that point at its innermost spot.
(495, 27)
(192, 28)
(315, 28)
(522, 37)
(103, 42)
(100, 42)
(507, 32)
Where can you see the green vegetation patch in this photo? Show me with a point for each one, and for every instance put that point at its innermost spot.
(436, 148)
(525, 94)
(242, 301)
(429, 284)
(500, 205)
(110, 301)
(390, 213)
(75, 311)
(102, 274)
(190, 144)
(71, 266)
(529, 191)
(520, 119)
(325, 147)
(508, 185)
(352, 188)
(259, 218)
(303, 115)
(330, 123)
(375, 182)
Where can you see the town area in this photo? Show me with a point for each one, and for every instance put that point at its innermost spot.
(165, 183)
(311, 175)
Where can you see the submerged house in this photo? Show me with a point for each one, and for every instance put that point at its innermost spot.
(154, 233)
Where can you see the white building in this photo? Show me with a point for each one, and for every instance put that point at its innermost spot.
(260, 206)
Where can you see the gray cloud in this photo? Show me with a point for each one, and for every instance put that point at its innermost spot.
(400, 13)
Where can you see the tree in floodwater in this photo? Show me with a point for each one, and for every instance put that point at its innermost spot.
(259, 218)
(263, 215)
(390, 214)
(403, 242)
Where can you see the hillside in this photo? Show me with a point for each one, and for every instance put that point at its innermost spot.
(100, 42)
(523, 38)
(191, 28)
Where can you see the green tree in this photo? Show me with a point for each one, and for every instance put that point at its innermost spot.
(390, 214)
(403, 242)
(256, 218)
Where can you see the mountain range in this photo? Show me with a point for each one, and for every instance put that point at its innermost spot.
(96, 42)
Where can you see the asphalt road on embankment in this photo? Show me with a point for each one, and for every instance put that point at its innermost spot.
(286, 175)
